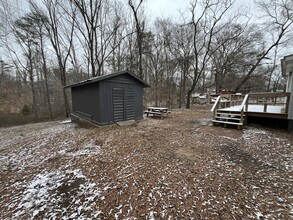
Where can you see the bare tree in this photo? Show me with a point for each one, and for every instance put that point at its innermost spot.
(90, 12)
(5, 69)
(278, 17)
(271, 69)
(239, 44)
(27, 39)
(205, 27)
(37, 21)
(165, 29)
(155, 61)
(116, 43)
(56, 31)
(182, 49)
(99, 26)
(139, 27)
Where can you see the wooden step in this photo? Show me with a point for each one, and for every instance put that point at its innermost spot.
(227, 122)
(228, 114)
(228, 118)
(228, 111)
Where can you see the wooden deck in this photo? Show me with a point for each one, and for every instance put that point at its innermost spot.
(271, 111)
(236, 108)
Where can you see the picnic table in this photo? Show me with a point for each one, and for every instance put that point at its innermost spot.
(157, 111)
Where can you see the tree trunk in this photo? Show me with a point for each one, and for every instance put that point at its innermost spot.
(139, 31)
(217, 82)
(48, 94)
(188, 97)
(45, 69)
(63, 83)
(35, 111)
(190, 91)
(66, 104)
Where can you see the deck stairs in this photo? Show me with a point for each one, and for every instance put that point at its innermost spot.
(224, 116)
(228, 118)
(236, 108)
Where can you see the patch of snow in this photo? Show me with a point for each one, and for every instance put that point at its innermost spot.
(68, 194)
(152, 215)
(204, 121)
(66, 121)
(254, 131)
(39, 145)
(86, 150)
(259, 215)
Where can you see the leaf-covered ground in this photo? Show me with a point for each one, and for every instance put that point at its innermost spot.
(180, 167)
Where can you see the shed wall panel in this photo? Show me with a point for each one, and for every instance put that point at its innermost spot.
(85, 101)
(105, 105)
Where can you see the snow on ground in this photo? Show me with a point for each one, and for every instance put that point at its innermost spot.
(66, 121)
(56, 194)
(32, 146)
(279, 154)
(178, 167)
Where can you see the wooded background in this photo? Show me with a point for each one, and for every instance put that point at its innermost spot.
(215, 44)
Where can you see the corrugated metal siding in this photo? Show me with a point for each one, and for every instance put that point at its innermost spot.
(118, 104)
(133, 92)
(123, 104)
(138, 102)
(130, 104)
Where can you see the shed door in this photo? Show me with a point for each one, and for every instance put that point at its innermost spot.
(123, 104)
(118, 104)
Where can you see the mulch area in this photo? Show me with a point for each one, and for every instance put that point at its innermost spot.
(179, 167)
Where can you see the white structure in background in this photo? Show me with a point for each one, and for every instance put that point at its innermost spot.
(287, 72)
(198, 98)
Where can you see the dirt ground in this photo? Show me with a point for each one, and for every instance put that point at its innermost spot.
(180, 167)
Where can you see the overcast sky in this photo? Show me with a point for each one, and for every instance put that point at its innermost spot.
(170, 8)
(166, 8)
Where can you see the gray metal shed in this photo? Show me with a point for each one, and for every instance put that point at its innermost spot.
(109, 98)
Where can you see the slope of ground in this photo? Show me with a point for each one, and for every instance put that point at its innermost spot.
(178, 167)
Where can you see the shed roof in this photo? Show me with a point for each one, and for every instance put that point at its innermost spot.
(108, 76)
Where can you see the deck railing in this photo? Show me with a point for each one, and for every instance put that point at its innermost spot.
(225, 101)
(244, 101)
(269, 99)
(216, 106)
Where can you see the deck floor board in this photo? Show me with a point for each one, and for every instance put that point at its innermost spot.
(272, 109)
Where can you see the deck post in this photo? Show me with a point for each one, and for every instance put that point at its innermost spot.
(290, 110)
(287, 103)
(290, 125)
(287, 69)
(246, 104)
(265, 107)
